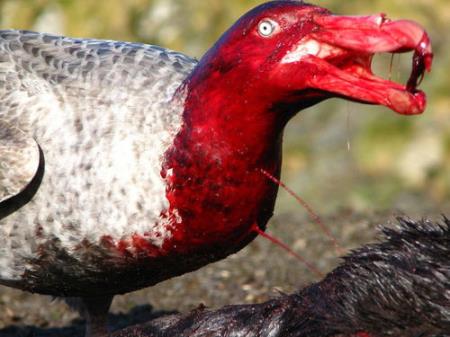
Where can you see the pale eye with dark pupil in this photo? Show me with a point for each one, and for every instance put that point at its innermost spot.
(266, 28)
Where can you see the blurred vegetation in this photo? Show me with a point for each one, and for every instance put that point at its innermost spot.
(337, 154)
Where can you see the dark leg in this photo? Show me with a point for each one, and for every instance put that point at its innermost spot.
(96, 314)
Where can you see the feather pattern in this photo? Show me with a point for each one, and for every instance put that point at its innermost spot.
(100, 112)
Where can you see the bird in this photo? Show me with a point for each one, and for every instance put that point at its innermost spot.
(124, 164)
(372, 293)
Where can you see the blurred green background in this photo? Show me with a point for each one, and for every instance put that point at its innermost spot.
(337, 154)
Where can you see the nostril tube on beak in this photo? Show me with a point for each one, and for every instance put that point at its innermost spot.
(381, 19)
(350, 22)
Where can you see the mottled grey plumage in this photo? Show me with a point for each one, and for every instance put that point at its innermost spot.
(100, 114)
(19, 160)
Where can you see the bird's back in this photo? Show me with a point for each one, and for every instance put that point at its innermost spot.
(84, 125)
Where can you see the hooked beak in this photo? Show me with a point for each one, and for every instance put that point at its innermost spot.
(341, 50)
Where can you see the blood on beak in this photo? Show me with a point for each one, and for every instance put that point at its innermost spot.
(341, 50)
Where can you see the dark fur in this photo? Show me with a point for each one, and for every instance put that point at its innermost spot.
(398, 287)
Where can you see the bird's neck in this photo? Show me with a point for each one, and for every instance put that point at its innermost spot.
(215, 186)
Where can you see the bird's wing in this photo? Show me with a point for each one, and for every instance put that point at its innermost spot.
(50, 84)
(19, 160)
(34, 64)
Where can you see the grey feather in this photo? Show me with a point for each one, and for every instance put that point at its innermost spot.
(102, 112)
(19, 160)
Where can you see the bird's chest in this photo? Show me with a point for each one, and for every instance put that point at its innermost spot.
(217, 193)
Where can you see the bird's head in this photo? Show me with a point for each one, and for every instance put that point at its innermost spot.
(287, 54)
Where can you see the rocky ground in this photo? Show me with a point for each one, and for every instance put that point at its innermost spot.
(257, 273)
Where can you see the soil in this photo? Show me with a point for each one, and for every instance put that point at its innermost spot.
(257, 273)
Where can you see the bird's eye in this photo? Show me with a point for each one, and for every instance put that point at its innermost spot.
(266, 27)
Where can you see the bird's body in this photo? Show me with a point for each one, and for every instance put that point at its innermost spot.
(95, 130)
(122, 165)
(99, 132)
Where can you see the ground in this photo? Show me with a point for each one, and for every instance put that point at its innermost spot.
(257, 273)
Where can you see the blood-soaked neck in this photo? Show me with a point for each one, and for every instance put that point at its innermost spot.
(215, 186)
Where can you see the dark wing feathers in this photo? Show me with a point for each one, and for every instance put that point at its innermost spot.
(19, 160)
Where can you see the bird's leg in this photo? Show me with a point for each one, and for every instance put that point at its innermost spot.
(96, 314)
